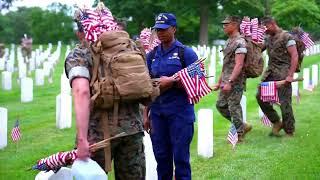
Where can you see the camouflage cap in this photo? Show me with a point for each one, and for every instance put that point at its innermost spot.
(231, 19)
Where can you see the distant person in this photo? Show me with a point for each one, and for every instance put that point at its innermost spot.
(283, 60)
(26, 47)
(232, 79)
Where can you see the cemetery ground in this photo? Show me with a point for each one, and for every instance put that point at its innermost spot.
(259, 157)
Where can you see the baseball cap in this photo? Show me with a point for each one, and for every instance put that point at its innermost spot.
(231, 19)
(165, 20)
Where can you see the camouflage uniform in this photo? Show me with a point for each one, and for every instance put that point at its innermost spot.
(229, 104)
(26, 48)
(127, 151)
(278, 68)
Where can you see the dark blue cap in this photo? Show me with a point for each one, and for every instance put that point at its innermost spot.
(165, 20)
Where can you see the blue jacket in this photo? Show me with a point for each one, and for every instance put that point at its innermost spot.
(167, 63)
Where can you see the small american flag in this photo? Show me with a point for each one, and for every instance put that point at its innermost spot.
(269, 92)
(56, 161)
(15, 133)
(265, 121)
(95, 22)
(245, 27)
(233, 136)
(194, 82)
(254, 29)
(306, 40)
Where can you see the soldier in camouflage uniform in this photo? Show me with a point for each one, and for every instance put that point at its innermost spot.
(26, 47)
(232, 79)
(283, 60)
(126, 151)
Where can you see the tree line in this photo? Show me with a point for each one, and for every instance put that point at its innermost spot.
(198, 21)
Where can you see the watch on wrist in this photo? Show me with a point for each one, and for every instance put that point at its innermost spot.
(230, 81)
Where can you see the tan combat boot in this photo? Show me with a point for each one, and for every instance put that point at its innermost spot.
(276, 129)
(246, 129)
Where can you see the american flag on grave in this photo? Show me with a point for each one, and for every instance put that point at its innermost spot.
(304, 37)
(233, 136)
(194, 81)
(269, 92)
(15, 133)
(265, 121)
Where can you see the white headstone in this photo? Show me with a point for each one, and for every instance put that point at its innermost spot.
(22, 70)
(64, 84)
(3, 127)
(295, 86)
(205, 133)
(63, 111)
(6, 80)
(315, 75)
(46, 68)
(243, 103)
(306, 78)
(2, 63)
(151, 163)
(26, 90)
(260, 113)
(39, 75)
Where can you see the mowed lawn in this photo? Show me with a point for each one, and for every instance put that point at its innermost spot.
(259, 157)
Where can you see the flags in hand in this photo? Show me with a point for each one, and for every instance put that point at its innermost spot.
(194, 81)
(233, 136)
(269, 92)
(15, 133)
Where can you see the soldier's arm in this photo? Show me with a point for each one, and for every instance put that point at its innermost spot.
(77, 70)
(240, 54)
(81, 95)
(239, 58)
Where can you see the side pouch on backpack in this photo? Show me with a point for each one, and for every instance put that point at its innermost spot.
(254, 63)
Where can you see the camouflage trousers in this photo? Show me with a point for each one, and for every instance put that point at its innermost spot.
(128, 157)
(229, 107)
(285, 98)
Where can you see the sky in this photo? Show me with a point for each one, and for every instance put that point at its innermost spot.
(45, 3)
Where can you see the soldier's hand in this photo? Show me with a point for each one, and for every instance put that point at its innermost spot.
(226, 88)
(166, 83)
(83, 149)
(289, 79)
(216, 87)
(146, 121)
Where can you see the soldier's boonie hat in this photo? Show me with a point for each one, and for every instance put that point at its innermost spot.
(231, 19)
(165, 20)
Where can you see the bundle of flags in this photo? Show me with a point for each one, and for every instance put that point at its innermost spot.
(233, 136)
(95, 22)
(56, 161)
(304, 37)
(269, 92)
(15, 133)
(252, 29)
(149, 39)
(194, 82)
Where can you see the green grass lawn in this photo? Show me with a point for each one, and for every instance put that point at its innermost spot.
(260, 157)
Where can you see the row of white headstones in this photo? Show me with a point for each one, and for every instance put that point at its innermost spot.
(205, 116)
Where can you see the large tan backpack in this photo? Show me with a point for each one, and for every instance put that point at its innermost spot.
(119, 71)
(253, 63)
